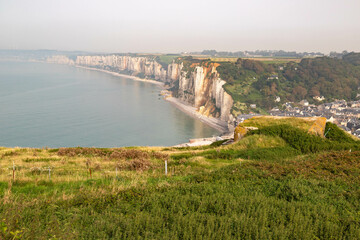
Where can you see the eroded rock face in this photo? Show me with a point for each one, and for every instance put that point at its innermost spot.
(200, 85)
(204, 90)
(149, 67)
(174, 71)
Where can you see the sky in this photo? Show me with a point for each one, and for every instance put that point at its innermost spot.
(167, 26)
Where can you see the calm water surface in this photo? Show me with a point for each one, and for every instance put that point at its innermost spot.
(58, 105)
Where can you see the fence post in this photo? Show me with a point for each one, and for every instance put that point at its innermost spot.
(49, 173)
(90, 172)
(13, 171)
(116, 172)
(165, 167)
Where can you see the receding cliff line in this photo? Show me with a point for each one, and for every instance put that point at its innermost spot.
(199, 86)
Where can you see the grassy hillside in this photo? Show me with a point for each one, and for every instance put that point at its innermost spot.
(269, 185)
(256, 82)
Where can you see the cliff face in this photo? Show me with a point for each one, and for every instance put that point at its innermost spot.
(198, 84)
(204, 90)
(149, 67)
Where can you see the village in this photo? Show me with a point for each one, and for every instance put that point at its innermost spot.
(345, 114)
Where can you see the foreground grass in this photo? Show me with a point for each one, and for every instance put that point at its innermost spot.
(259, 188)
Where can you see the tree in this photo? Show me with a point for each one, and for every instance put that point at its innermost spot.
(299, 92)
(314, 91)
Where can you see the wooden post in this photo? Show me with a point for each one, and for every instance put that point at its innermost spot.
(90, 172)
(116, 172)
(49, 174)
(166, 168)
(13, 171)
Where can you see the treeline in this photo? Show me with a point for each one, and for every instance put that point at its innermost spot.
(263, 53)
(332, 78)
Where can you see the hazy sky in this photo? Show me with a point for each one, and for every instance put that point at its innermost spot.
(184, 25)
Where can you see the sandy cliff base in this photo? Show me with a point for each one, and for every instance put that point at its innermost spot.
(192, 111)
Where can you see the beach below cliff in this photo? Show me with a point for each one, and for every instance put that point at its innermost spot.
(192, 111)
(123, 75)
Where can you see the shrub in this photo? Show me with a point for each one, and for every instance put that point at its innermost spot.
(159, 155)
(305, 142)
(139, 164)
(72, 152)
(128, 154)
(135, 164)
(35, 170)
(334, 133)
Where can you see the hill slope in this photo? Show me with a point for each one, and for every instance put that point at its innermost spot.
(254, 82)
(270, 184)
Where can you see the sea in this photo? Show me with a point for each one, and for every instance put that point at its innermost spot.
(50, 105)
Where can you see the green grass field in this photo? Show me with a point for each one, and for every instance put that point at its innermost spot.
(268, 185)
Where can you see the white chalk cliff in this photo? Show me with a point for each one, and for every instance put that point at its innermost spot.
(199, 86)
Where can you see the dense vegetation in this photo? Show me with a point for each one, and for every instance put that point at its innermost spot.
(263, 53)
(269, 185)
(254, 82)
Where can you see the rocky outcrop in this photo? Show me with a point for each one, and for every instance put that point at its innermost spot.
(204, 90)
(198, 84)
(174, 71)
(146, 66)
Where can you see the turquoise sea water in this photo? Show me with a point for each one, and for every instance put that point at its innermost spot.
(57, 105)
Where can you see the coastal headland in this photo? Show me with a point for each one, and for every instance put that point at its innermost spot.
(215, 123)
(196, 90)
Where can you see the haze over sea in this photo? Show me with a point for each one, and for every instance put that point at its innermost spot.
(62, 106)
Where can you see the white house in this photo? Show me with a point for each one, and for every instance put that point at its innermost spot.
(318, 98)
(304, 102)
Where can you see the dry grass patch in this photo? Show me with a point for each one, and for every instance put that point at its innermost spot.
(265, 121)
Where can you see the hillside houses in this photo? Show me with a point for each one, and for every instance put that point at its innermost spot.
(345, 114)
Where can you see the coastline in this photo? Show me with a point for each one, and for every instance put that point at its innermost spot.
(122, 75)
(191, 111)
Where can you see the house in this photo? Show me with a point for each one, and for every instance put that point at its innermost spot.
(274, 76)
(277, 99)
(328, 106)
(252, 105)
(288, 105)
(304, 102)
(318, 98)
(346, 129)
(357, 133)
(355, 104)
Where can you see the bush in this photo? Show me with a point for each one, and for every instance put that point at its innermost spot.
(334, 133)
(305, 142)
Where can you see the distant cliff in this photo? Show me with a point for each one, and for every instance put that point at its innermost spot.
(197, 84)
(145, 66)
(201, 86)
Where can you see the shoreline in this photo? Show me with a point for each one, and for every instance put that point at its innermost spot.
(122, 75)
(191, 111)
(215, 123)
